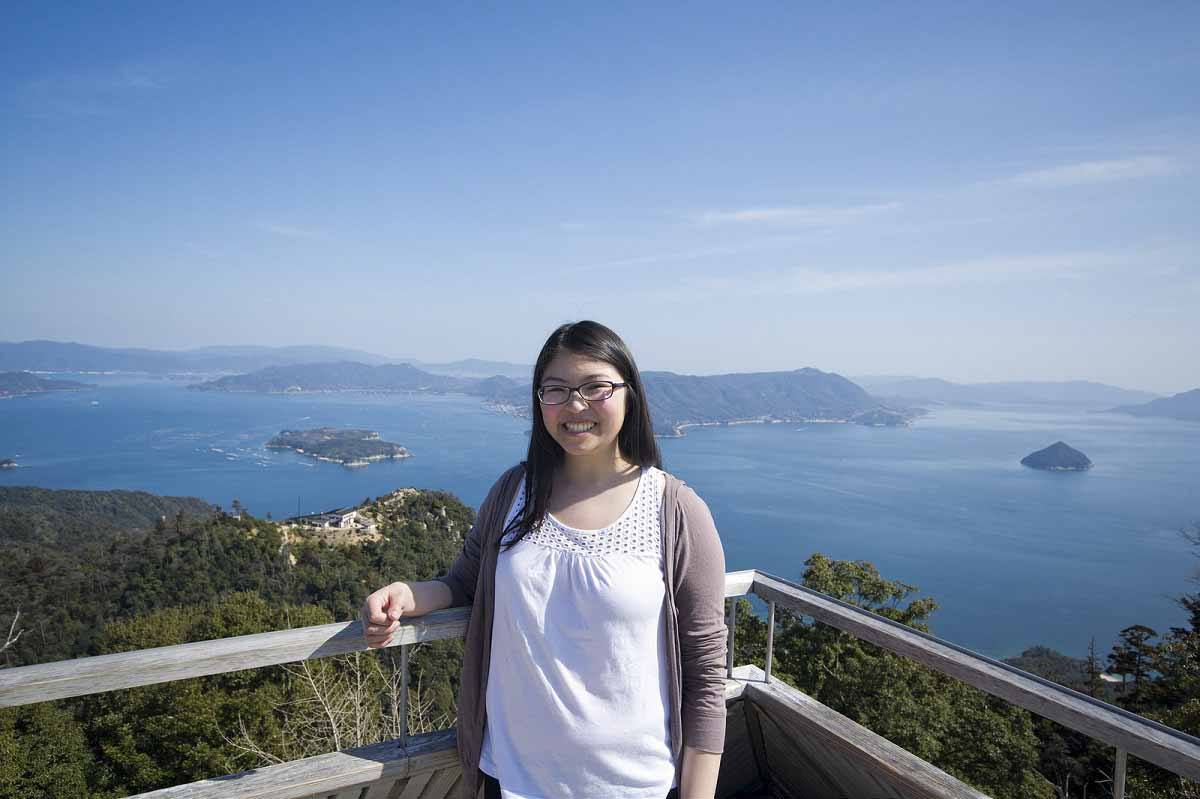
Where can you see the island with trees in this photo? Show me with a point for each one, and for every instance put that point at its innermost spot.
(1058, 457)
(677, 401)
(18, 384)
(347, 446)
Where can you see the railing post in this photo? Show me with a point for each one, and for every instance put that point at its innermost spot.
(732, 636)
(770, 637)
(1119, 776)
(404, 695)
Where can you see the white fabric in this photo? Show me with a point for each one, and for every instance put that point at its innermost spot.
(577, 683)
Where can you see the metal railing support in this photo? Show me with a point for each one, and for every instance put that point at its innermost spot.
(404, 694)
(770, 638)
(1119, 776)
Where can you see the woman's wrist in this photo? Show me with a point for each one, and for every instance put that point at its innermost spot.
(429, 596)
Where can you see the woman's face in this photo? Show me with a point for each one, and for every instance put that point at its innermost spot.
(606, 416)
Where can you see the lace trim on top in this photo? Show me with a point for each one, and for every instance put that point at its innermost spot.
(638, 530)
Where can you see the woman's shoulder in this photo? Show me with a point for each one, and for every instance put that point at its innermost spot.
(686, 497)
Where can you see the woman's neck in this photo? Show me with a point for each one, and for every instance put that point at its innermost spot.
(599, 470)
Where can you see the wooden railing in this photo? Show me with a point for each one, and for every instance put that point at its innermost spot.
(1125, 731)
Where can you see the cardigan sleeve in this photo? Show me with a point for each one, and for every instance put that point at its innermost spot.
(464, 572)
(703, 635)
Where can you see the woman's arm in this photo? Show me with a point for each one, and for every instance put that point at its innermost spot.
(698, 777)
(700, 602)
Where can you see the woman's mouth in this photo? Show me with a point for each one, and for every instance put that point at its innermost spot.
(578, 428)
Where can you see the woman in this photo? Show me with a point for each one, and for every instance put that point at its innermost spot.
(597, 581)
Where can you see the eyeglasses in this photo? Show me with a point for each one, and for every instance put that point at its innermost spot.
(595, 391)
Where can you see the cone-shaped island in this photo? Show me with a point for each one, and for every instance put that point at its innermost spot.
(1058, 457)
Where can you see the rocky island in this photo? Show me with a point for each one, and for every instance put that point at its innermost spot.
(349, 447)
(7, 463)
(1058, 457)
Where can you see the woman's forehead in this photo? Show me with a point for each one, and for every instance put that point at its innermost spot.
(568, 366)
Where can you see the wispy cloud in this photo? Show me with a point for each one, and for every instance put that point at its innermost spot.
(797, 215)
(806, 281)
(91, 92)
(293, 232)
(1087, 172)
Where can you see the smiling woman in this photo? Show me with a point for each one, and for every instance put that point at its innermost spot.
(597, 584)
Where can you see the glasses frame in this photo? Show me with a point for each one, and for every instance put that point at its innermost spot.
(579, 390)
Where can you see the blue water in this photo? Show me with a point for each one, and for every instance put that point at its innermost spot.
(1013, 556)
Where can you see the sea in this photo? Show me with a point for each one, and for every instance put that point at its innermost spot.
(1013, 557)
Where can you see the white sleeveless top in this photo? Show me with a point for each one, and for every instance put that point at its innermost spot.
(577, 702)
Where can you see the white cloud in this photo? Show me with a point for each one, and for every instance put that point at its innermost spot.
(1087, 172)
(799, 215)
(807, 281)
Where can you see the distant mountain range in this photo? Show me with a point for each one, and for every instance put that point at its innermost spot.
(340, 376)
(57, 356)
(1184, 406)
(932, 390)
(16, 383)
(675, 400)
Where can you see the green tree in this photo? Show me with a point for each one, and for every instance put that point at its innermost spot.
(42, 753)
(1134, 656)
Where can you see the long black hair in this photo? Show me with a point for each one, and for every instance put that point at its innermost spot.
(635, 440)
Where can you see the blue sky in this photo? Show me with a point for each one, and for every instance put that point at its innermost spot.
(974, 191)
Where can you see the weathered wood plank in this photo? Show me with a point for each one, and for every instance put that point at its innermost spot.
(1141, 737)
(439, 787)
(852, 752)
(739, 583)
(381, 789)
(326, 774)
(416, 784)
(66, 678)
(797, 771)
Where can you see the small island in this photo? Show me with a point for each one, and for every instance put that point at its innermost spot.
(349, 447)
(1058, 457)
(881, 417)
(8, 463)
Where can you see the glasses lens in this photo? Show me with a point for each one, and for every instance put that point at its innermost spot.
(554, 395)
(596, 391)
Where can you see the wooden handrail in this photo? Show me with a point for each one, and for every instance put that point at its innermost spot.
(1149, 740)
(93, 675)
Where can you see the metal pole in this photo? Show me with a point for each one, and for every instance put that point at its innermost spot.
(770, 636)
(404, 695)
(732, 636)
(1119, 776)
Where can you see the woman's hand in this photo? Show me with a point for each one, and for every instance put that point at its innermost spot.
(382, 610)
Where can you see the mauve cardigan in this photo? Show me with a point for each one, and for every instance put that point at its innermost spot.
(694, 572)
